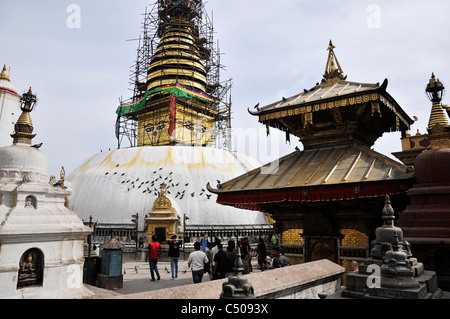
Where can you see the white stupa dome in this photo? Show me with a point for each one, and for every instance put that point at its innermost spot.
(112, 186)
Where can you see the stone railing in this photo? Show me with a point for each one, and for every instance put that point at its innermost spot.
(302, 281)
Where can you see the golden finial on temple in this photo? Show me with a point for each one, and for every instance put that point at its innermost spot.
(4, 75)
(333, 70)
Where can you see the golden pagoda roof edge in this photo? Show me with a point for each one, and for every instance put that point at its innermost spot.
(393, 172)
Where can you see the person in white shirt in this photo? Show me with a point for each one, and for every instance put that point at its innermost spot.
(196, 261)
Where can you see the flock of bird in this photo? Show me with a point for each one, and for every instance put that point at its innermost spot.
(152, 185)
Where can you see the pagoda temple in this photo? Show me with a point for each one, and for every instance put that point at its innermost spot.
(326, 199)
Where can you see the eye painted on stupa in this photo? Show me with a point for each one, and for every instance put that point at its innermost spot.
(189, 125)
(149, 127)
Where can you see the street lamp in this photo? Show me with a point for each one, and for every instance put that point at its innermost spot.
(184, 234)
(135, 220)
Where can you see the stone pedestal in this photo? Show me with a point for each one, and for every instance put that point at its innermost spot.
(109, 282)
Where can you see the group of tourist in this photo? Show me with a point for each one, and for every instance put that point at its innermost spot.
(212, 259)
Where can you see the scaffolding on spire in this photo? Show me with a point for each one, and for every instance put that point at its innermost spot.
(178, 14)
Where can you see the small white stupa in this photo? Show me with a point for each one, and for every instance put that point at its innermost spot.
(9, 108)
(41, 240)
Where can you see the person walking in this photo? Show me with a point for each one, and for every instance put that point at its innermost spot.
(261, 251)
(204, 242)
(174, 254)
(220, 263)
(230, 258)
(274, 239)
(209, 265)
(245, 255)
(154, 251)
(196, 261)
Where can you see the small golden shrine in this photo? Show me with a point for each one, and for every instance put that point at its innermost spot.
(162, 221)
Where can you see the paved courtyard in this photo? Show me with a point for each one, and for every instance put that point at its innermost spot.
(136, 278)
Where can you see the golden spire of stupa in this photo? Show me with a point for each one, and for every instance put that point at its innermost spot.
(435, 90)
(4, 74)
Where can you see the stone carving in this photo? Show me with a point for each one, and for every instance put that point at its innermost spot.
(30, 269)
(30, 202)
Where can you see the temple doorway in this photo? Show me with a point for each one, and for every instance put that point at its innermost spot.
(160, 233)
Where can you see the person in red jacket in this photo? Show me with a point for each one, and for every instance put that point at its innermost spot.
(154, 251)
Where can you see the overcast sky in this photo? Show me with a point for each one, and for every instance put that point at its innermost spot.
(80, 68)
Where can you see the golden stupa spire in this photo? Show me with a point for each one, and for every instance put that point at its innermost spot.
(435, 90)
(23, 128)
(333, 70)
(4, 74)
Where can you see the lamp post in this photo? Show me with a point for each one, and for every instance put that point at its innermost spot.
(184, 234)
(135, 220)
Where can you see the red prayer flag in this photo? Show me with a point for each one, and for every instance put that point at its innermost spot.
(172, 114)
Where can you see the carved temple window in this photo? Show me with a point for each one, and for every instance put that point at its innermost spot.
(30, 202)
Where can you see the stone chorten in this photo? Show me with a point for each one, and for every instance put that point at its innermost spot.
(391, 272)
(41, 240)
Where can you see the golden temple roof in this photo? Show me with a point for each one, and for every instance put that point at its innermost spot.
(321, 167)
(336, 110)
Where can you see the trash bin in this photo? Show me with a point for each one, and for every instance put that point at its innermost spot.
(111, 265)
